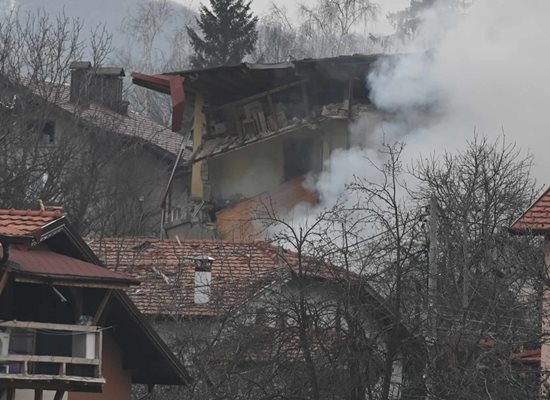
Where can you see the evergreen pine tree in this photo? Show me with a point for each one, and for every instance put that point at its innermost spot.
(228, 33)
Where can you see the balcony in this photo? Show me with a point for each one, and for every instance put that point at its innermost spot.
(45, 355)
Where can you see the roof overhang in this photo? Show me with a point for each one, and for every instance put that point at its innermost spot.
(67, 280)
(167, 84)
(146, 355)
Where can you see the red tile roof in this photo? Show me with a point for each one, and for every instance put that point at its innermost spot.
(167, 271)
(48, 264)
(537, 217)
(25, 222)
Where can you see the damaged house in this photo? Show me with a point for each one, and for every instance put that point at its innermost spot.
(259, 131)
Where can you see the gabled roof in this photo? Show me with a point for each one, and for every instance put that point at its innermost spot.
(53, 253)
(240, 271)
(28, 223)
(167, 271)
(536, 219)
(35, 260)
(44, 264)
(131, 124)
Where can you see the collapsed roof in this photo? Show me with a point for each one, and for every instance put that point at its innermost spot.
(248, 78)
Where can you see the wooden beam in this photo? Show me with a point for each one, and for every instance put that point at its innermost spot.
(48, 326)
(102, 306)
(350, 98)
(59, 395)
(99, 354)
(48, 281)
(4, 281)
(38, 394)
(24, 358)
(273, 111)
(305, 99)
(62, 369)
(43, 381)
(237, 122)
(199, 121)
(260, 95)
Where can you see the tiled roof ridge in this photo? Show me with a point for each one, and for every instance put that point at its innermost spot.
(31, 213)
(133, 239)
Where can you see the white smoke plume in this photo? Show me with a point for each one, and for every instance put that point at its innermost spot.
(486, 71)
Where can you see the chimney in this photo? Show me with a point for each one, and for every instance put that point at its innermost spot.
(203, 278)
(79, 81)
(106, 88)
(102, 85)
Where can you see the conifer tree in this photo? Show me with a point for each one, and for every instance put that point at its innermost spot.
(228, 33)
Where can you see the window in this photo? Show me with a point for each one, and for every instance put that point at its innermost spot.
(269, 319)
(48, 132)
(175, 214)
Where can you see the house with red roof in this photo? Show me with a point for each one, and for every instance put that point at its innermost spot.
(68, 330)
(536, 221)
(232, 308)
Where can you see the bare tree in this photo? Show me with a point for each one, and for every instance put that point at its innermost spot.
(157, 42)
(60, 150)
(380, 297)
(326, 29)
(487, 300)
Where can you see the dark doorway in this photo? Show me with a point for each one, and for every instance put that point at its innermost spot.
(297, 155)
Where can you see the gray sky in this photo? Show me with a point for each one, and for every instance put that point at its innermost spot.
(261, 7)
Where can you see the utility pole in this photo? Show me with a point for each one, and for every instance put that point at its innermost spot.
(433, 274)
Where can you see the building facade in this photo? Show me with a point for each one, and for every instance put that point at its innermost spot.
(68, 330)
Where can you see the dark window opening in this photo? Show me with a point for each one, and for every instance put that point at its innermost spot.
(48, 132)
(297, 154)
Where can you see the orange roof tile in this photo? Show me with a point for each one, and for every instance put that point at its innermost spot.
(537, 217)
(166, 270)
(20, 223)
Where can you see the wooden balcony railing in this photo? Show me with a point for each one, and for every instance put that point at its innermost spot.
(35, 351)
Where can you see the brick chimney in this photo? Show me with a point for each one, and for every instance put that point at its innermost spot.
(102, 85)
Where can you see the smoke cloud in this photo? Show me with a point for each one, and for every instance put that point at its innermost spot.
(484, 72)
